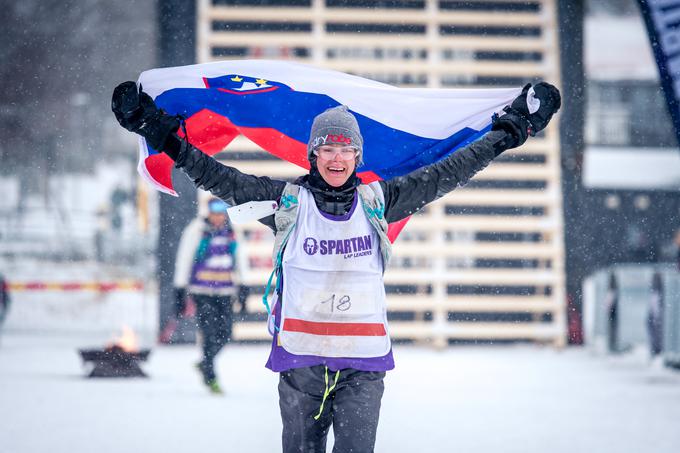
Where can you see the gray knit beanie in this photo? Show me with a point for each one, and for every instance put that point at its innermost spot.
(336, 125)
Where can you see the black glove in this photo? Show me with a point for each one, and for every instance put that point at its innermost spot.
(518, 120)
(180, 301)
(137, 112)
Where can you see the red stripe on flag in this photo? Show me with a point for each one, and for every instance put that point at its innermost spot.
(335, 328)
(393, 229)
(278, 144)
(159, 167)
(209, 131)
(368, 177)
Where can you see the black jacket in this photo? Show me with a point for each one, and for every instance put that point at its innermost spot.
(404, 195)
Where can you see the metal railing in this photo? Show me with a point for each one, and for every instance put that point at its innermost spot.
(634, 282)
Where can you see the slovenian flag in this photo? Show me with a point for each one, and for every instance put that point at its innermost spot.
(273, 103)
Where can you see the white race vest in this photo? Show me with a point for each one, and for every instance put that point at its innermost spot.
(333, 290)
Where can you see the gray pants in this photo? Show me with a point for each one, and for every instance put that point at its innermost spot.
(352, 408)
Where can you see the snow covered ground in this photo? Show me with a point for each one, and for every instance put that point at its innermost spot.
(517, 398)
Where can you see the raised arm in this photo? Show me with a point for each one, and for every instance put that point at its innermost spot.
(137, 112)
(528, 114)
(221, 180)
(407, 194)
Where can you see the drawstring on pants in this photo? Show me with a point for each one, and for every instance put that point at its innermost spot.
(327, 391)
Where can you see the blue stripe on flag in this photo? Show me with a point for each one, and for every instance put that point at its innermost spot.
(388, 152)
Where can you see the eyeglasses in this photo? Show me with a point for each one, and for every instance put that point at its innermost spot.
(329, 152)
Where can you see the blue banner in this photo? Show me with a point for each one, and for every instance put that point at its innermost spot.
(663, 26)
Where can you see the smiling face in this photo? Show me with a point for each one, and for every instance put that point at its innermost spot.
(336, 163)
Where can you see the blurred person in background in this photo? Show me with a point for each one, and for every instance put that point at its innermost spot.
(206, 269)
(329, 325)
(102, 227)
(4, 299)
(612, 311)
(655, 316)
(676, 241)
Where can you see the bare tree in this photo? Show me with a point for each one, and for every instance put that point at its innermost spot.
(59, 63)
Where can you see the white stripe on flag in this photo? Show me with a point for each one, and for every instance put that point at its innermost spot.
(429, 113)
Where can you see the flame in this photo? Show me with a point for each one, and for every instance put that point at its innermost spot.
(127, 341)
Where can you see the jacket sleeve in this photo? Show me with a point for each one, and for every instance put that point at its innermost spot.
(226, 182)
(407, 194)
(184, 261)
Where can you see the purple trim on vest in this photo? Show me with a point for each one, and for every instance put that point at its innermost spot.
(343, 217)
(282, 360)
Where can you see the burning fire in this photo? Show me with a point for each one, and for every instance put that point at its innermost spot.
(127, 341)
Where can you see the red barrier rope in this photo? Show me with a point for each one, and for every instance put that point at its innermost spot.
(102, 287)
